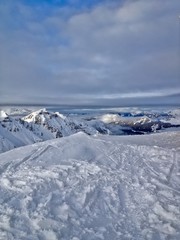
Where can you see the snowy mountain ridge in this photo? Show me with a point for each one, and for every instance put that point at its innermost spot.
(38, 126)
(42, 125)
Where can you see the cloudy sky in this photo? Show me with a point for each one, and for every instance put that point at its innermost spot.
(90, 52)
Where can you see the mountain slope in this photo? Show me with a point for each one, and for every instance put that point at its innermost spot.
(38, 126)
(57, 124)
(42, 125)
(13, 131)
(84, 187)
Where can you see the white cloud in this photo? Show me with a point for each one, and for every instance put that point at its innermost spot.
(109, 51)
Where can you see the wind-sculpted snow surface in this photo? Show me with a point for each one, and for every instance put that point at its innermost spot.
(83, 187)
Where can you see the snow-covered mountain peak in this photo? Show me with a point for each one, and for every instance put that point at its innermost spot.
(143, 120)
(43, 125)
(42, 116)
(3, 115)
(34, 116)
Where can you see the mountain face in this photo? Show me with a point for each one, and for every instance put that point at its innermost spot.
(37, 126)
(56, 124)
(44, 125)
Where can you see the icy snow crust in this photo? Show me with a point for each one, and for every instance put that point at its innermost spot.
(92, 187)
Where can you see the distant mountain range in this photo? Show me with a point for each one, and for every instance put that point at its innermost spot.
(42, 125)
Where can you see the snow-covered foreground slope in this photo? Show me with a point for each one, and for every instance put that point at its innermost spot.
(88, 187)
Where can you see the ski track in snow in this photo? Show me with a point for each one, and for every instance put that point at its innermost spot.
(87, 188)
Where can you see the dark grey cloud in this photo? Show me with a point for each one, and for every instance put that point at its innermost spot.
(107, 54)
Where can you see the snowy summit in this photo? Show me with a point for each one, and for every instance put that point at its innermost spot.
(2, 115)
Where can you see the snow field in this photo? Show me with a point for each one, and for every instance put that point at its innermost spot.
(84, 187)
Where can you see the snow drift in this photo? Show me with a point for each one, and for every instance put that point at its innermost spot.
(92, 187)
